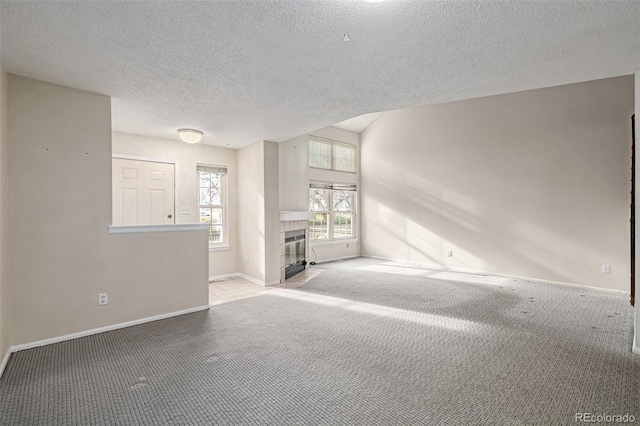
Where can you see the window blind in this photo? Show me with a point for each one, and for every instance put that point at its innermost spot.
(334, 186)
(212, 169)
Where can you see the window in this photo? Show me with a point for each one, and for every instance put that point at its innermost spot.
(331, 155)
(319, 203)
(212, 201)
(334, 205)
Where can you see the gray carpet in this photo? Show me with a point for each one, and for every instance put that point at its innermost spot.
(364, 343)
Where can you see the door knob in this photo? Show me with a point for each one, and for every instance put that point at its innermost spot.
(169, 216)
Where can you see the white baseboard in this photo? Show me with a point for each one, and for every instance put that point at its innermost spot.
(494, 274)
(79, 334)
(5, 360)
(257, 281)
(246, 277)
(222, 277)
(333, 259)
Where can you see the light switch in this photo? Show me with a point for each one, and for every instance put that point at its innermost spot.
(185, 210)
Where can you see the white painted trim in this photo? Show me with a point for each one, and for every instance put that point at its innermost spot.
(225, 247)
(257, 281)
(5, 360)
(286, 216)
(336, 258)
(99, 330)
(222, 277)
(246, 277)
(253, 280)
(179, 227)
(494, 274)
(320, 243)
(634, 346)
(141, 158)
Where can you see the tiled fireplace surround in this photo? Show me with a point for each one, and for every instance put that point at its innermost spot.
(292, 225)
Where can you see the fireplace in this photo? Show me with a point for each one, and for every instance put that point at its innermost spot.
(294, 244)
(294, 252)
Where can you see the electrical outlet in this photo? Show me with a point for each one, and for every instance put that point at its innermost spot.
(185, 210)
(347, 245)
(606, 269)
(450, 253)
(102, 299)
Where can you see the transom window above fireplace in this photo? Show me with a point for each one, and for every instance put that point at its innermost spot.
(335, 208)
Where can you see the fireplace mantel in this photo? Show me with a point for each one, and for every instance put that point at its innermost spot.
(287, 216)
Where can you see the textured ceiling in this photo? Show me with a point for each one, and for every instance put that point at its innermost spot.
(243, 71)
(359, 123)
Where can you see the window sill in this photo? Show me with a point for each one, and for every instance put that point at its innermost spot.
(313, 243)
(333, 170)
(219, 248)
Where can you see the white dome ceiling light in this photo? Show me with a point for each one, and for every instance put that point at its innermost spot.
(190, 135)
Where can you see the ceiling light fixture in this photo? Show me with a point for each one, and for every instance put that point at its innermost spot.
(190, 135)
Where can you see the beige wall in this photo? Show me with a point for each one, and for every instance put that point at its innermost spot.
(186, 157)
(294, 174)
(59, 206)
(534, 184)
(61, 254)
(272, 212)
(258, 212)
(152, 274)
(4, 212)
(251, 214)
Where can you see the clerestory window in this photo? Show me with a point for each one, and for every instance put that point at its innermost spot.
(331, 155)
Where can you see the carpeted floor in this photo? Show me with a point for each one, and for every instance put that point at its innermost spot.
(365, 343)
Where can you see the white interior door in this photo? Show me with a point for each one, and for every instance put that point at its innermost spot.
(143, 192)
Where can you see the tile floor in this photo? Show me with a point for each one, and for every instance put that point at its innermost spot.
(236, 288)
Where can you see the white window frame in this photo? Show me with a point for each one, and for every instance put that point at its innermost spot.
(330, 187)
(223, 244)
(331, 144)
